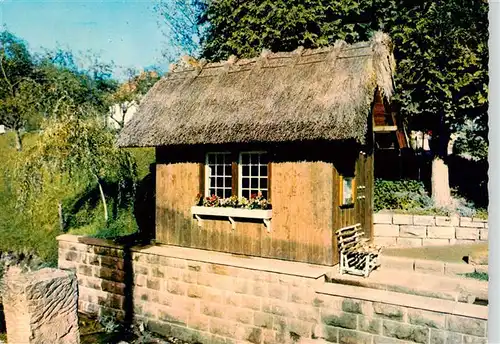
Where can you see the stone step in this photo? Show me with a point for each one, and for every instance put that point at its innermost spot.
(421, 284)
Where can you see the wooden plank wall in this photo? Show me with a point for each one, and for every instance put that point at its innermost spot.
(302, 217)
(302, 197)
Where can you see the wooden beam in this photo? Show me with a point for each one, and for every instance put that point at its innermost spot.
(385, 128)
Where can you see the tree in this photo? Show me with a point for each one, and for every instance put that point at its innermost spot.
(180, 20)
(244, 28)
(442, 75)
(441, 49)
(17, 74)
(77, 147)
(130, 93)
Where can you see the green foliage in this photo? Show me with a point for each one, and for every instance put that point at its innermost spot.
(76, 149)
(244, 28)
(403, 195)
(441, 48)
(17, 72)
(482, 276)
(33, 228)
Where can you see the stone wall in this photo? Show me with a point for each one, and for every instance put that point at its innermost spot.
(402, 230)
(213, 297)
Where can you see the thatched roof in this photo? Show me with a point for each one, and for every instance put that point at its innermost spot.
(318, 94)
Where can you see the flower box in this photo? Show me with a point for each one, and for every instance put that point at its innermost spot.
(232, 213)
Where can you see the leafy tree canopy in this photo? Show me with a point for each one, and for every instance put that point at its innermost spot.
(441, 47)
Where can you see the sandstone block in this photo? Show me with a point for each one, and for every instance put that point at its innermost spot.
(113, 287)
(438, 232)
(110, 274)
(307, 313)
(223, 327)
(189, 276)
(177, 288)
(212, 309)
(302, 328)
(417, 334)
(158, 272)
(41, 307)
(467, 233)
(445, 221)
(464, 242)
(435, 242)
(153, 283)
(412, 231)
(85, 270)
(455, 269)
(429, 266)
(185, 303)
(276, 291)
(349, 336)
(382, 218)
(277, 307)
(386, 311)
(481, 268)
(475, 327)
(173, 315)
(381, 230)
(140, 269)
(329, 333)
(370, 325)
(387, 340)
(475, 340)
(409, 242)
(385, 241)
(252, 302)
(198, 321)
(112, 262)
(268, 336)
(240, 315)
(426, 318)
(396, 263)
(250, 334)
(401, 219)
(301, 295)
(424, 220)
(339, 319)
(483, 234)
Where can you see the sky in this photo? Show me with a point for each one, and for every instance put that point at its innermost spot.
(125, 32)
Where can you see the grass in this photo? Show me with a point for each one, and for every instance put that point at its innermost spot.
(451, 253)
(482, 276)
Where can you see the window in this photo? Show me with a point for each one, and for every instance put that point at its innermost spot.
(218, 175)
(347, 191)
(253, 174)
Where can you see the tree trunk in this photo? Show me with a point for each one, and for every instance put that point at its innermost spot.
(441, 192)
(104, 204)
(19, 142)
(61, 216)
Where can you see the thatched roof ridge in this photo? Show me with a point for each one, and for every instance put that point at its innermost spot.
(306, 94)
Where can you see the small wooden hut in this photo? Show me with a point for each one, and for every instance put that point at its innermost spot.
(295, 127)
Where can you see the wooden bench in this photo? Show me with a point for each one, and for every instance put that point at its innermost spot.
(357, 255)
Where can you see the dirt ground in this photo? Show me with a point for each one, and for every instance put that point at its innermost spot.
(478, 253)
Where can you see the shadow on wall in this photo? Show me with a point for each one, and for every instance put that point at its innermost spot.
(145, 205)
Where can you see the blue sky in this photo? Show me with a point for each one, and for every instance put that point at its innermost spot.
(123, 31)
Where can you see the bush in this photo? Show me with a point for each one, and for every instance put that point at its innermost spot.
(401, 194)
(410, 196)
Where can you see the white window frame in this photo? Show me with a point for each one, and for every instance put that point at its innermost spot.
(240, 172)
(207, 172)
